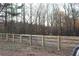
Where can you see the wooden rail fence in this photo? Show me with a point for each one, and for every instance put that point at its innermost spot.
(44, 40)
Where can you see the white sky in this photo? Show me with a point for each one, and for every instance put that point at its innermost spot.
(40, 1)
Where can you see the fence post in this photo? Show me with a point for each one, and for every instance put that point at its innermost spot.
(59, 42)
(1, 35)
(20, 38)
(43, 42)
(30, 38)
(7, 37)
(13, 38)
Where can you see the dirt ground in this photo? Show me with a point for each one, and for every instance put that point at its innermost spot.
(32, 53)
(21, 49)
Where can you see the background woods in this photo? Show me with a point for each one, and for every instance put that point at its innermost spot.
(46, 19)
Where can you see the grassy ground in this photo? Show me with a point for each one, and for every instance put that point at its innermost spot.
(9, 48)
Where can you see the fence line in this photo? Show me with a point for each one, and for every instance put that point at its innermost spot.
(60, 40)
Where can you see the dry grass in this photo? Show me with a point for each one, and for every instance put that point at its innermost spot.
(23, 49)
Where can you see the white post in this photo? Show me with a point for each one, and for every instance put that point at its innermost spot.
(20, 38)
(7, 37)
(1, 35)
(13, 38)
(59, 42)
(30, 38)
(43, 43)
